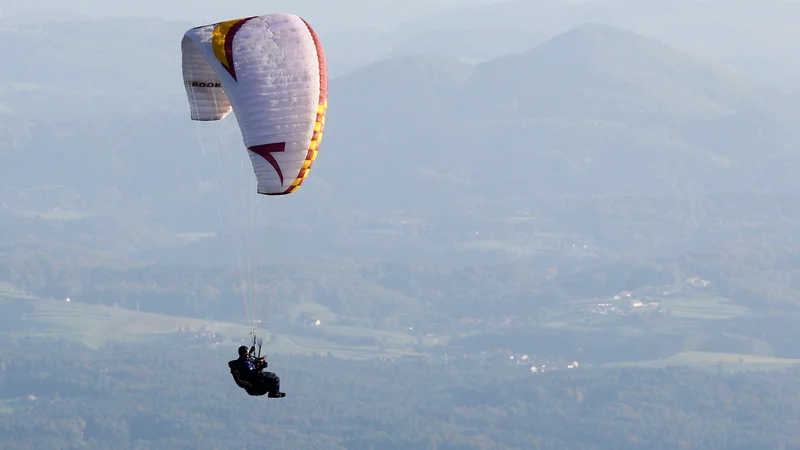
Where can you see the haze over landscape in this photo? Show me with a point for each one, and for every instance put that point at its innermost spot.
(531, 224)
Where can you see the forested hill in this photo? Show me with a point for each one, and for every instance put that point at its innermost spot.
(597, 134)
(144, 397)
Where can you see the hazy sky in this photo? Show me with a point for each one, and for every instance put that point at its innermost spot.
(342, 13)
(749, 34)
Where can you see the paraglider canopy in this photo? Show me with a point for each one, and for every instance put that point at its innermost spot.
(270, 71)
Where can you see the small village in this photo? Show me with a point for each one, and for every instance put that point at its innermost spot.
(628, 302)
(527, 361)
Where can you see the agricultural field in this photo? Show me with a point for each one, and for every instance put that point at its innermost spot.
(713, 360)
(710, 307)
(95, 325)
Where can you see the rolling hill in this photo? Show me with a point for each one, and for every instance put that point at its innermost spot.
(602, 110)
(589, 133)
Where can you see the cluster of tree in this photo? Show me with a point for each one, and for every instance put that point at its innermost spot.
(164, 396)
(432, 298)
(754, 273)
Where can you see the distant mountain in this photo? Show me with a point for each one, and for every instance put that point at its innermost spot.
(604, 72)
(751, 36)
(85, 67)
(356, 48)
(594, 110)
(599, 109)
(478, 43)
(598, 131)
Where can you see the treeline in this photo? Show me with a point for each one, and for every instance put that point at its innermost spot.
(164, 396)
(757, 276)
(376, 291)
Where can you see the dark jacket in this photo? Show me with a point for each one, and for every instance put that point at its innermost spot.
(244, 372)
